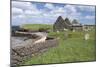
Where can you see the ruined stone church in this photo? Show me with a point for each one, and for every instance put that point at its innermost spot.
(61, 24)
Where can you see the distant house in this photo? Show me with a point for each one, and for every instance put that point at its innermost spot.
(77, 27)
(88, 27)
(17, 28)
(14, 28)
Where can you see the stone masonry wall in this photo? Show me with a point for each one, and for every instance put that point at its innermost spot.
(29, 49)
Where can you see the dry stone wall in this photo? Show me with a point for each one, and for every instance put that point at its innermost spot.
(29, 49)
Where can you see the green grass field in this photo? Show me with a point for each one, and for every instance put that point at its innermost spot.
(36, 26)
(72, 48)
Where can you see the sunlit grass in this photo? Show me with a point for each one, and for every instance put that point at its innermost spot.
(36, 26)
(72, 48)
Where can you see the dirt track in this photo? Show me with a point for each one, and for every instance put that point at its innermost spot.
(19, 41)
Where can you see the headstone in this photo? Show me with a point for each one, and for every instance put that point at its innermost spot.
(65, 29)
(57, 31)
(86, 36)
(73, 30)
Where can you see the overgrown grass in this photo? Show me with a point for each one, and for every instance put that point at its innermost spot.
(72, 48)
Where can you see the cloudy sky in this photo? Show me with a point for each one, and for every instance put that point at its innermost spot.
(47, 13)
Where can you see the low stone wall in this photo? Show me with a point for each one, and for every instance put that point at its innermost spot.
(29, 49)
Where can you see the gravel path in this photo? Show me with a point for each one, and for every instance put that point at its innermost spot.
(22, 41)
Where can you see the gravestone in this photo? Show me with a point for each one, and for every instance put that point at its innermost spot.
(86, 36)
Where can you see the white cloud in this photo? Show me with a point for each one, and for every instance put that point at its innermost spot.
(23, 5)
(49, 6)
(32, 12)
(18, 19)
(89, 17)
(27, 7)
(24, 12)
(70, 8)
(87, 8)
(16, 11)
(58, 10)
(54, 13)
(71, 12)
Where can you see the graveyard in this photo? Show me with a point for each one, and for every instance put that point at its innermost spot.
(63, 41)
(72, 47)
(52, 33)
